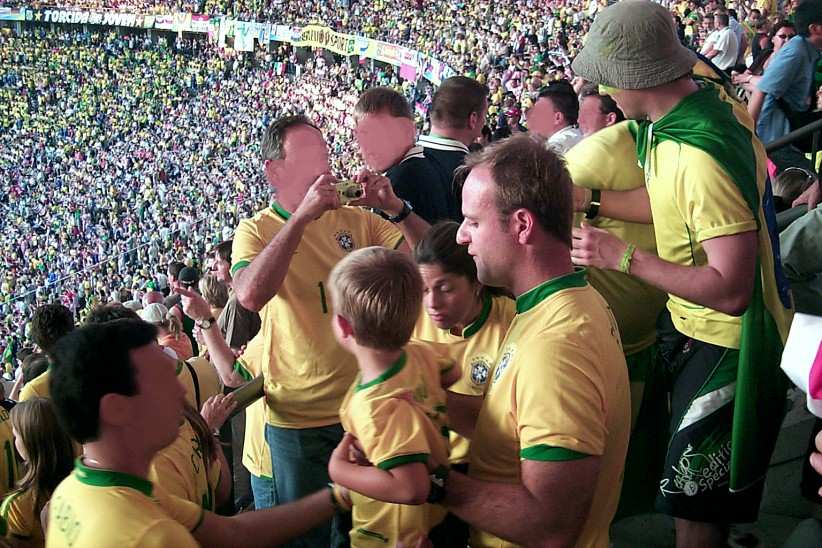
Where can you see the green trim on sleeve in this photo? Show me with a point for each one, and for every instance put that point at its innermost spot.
(399, 242)
(533, 297)
(548, 453)
(238, 265)
(4, 527)
(110, 478)
(395, 368)
(179, 367)
(403, 459)
(242, 371)
(4, 506)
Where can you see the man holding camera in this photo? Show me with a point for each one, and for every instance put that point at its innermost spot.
(281, 259)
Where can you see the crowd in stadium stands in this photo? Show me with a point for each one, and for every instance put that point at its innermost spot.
(165, 200)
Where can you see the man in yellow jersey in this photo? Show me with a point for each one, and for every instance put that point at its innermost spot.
(728, 308)
(282, 257)
(606, 160)
(48, 324)
(549, 443)
(116, 392)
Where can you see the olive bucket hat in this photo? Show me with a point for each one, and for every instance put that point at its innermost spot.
(633, 45)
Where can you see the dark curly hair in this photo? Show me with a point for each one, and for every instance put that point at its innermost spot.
(48, 324)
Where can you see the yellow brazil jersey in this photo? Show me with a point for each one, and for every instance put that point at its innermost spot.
(100, 508)
(306, 372)
(8, 462)
(559, 390)
(475, 350)
(607, 160)
(181, 470)
(398, 418)
(693, 199)
(38, 387)
(256, 453)
(200, 380)
(19, 518)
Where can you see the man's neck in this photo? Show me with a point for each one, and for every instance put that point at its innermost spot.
(116, 456)
(541, 267)
(460, 135)
(374, 362)
(664, 98)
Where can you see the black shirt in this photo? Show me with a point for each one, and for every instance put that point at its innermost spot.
(425, 177)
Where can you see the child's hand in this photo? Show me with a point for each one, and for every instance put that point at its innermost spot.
(356, 454)
(339, 457)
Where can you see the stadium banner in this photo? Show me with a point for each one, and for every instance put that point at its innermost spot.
(315, 36)
(82, 17)
(13, 14)
(244, 34)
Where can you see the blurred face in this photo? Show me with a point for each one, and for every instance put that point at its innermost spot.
(158, 404)
(591, 118)
(306, 158)
(449, 299)
(384, 139)
(488, 240)
(221, 268)
(542, 118)
(782, 36)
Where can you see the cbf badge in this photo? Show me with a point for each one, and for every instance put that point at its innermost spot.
(504, 360)
(345, 239)
(480, 367)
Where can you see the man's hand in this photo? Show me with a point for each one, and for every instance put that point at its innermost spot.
(216, 410)
(378, 193)
(194, 305)
(596, 247)
(812, 196)
(321, 197)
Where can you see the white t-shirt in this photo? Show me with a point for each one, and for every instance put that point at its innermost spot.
(724, 41)
(564, 139)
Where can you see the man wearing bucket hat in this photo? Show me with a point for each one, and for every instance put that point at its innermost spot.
(720, 339)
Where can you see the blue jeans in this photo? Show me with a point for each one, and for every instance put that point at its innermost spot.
(299, 462)
(263, 490)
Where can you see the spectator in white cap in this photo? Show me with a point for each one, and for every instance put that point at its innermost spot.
(169, 330)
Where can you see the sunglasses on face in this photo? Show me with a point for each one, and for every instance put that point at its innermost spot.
(785, 36)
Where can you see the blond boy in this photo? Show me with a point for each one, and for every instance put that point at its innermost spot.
(396, 407)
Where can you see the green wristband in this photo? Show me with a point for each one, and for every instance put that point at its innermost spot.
(625, 261)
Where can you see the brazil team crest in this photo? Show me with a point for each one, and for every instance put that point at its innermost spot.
(504, 360)
(345, 239)
(480, 367)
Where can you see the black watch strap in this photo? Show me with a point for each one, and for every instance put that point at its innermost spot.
(593, 207)
(403, 214)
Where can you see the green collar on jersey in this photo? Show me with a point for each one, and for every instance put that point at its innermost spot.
(477, 324)
(109, 478)
(533, 297)
(395, 368)
(279, 210)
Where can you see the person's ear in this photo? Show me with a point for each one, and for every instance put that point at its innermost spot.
(344, 326)
(272, 170)
(522, 224)
(115, 410)
(610, 119)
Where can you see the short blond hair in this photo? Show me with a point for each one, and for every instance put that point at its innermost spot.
(214, 291)
(379, 291)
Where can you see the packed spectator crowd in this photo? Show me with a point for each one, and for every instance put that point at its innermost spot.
(128, 165)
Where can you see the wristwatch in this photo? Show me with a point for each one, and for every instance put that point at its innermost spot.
(593, 206)
(205, 324)
(404, 212)
(438, 478)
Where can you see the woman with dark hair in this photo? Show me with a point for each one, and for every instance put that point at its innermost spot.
(470, 321)
(781, 33)
(462, 313)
